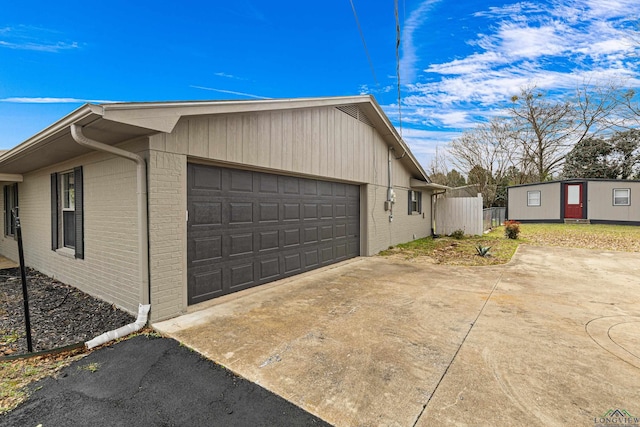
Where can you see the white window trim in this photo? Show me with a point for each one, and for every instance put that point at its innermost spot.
(628, 191)
(529, 193)
(63, 209)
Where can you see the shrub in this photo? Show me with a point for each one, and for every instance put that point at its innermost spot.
(511, 229)
(458, 234)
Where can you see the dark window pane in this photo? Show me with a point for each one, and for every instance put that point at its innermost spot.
(69, 228)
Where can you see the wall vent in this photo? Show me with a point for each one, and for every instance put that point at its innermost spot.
(356, 113)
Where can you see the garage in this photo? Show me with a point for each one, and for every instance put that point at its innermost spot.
(248, 228)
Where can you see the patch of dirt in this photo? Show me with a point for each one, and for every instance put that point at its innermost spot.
(60, 314)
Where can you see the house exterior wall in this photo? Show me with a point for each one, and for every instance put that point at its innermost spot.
(167, 194)
(600, 201)
(549, 209)
(323, 143)
(110, 268)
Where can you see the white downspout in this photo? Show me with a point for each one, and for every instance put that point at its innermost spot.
(143, 311)
(143, 220)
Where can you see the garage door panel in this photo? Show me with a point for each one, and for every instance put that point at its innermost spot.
(240, 181)
(268, 240)
(207, 285)
(291, 212)
(207, 249)
(290, 185)
(242, 274)
(269, 268)
(240, 213)
(207, 213)
(268, 212)
(240, 244)
(248, 228)
(207, 179)
(291, 237)
(267, 183)
(292, 263)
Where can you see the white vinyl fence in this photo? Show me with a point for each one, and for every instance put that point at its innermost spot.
(459, 213)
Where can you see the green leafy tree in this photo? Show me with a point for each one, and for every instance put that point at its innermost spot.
(589, 159)
(455, 179)
(625, 154)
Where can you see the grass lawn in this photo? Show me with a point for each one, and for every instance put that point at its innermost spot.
(447, 250)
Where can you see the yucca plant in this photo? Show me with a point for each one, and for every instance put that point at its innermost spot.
(483, 251)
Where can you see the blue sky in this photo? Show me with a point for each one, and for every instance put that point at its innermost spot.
(460, 61)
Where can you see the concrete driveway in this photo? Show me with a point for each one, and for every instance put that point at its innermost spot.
(550, 339)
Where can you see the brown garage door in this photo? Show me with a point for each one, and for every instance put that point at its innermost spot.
(248, 228)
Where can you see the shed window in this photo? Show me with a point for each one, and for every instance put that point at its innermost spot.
(67, 213)
(415, 202)
(533, 198)
(10, 202)
(621, 196)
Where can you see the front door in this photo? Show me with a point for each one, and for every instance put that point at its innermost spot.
(573, 201)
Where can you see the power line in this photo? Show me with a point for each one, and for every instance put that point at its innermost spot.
(398, 65)
(364, 43)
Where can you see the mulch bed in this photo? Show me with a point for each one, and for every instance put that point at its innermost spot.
(60, 314)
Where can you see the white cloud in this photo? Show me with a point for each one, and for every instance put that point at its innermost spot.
(409, 60)
(556, 47)
(25, 37)
(46, 100)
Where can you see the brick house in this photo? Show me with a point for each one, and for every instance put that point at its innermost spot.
(175, 203)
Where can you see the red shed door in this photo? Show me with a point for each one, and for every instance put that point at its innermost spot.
(573, 201)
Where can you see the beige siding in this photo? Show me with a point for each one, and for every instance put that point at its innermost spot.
(110, 268)
(320, 142)
(549, 208)
(600, 201)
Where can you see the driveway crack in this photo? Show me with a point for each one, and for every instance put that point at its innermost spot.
(424, 407)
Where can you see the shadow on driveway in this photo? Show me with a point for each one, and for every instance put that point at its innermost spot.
(152, 381)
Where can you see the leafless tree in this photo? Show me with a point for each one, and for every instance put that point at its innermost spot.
(546, 129)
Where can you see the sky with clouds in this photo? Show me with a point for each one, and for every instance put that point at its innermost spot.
(459, 62)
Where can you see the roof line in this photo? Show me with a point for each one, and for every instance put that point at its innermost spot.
(80, 113)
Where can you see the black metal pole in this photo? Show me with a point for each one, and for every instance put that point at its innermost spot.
(23, 276)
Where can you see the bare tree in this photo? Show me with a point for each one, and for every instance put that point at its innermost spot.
(484, 152)
(547, 129)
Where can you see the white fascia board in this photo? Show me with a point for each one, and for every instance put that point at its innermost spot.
(62, 125)
(163, 116)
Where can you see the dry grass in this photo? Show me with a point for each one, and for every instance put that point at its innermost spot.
(450, 251)
(625, 238)
(16, 375)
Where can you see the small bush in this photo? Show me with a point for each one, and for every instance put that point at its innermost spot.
(458, 234)
(511, 229)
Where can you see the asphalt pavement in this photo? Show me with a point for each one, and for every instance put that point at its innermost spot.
(152, 382)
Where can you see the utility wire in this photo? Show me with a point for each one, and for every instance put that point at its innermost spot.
(364, 43)
(398, 65)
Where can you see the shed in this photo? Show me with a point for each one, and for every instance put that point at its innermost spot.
(176, 203)
(601, 201)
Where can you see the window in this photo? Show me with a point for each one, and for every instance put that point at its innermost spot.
(415, 202)
(533, 198)
(67, 213)
(621, 196)
(68, 210)
(10, 202)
